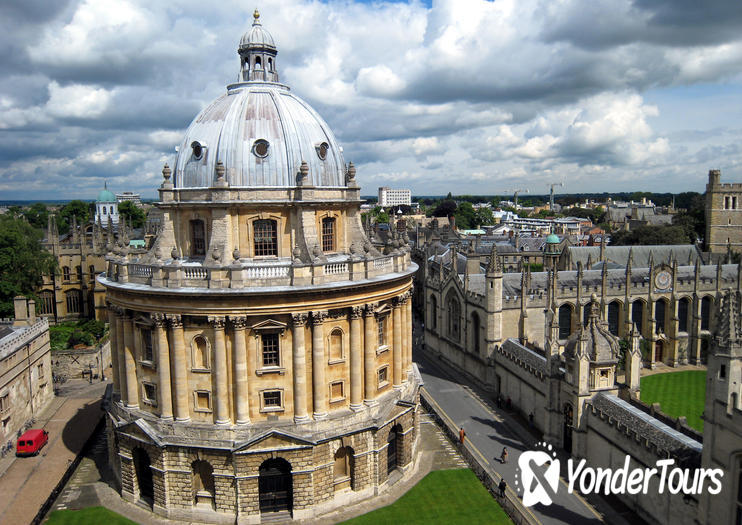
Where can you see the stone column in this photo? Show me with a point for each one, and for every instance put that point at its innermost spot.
(113, 338)
(120, 352)
(356, 359)
(163, 367)
(299, 322)
(221, 412)
(180, 370)
(409, 332)
(241, 395)
(369, 355)
(397, 343)
(132, 392)
(405, 336)
(319, 363)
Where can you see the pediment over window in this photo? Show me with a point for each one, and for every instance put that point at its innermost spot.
(270, 325)
(383, 309)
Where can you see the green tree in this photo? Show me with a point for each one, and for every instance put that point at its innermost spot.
(465, 216)
(445, 208)
(382, 217)
(649, 235)
(134, 215)
(23, 261)
(37, 215)
(77, 208)
(484, 217)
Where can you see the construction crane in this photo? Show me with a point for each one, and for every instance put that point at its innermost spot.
(551, 194)
(515, 194)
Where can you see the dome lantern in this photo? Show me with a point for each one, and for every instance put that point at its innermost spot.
(257, 54)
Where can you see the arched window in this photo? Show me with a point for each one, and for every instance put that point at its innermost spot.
(74, 301)
(328, 234)
(111, 210)
(585, 314)
(65, 273)
(475, 332)
(433, 321)
(258, 65)
(336, 344)
(660, 310)
(343, 468)
(706, 313)
(265, 235)
(104, 210)
(565, 321)
(203, 483)
(200, 352)
(613, 315)
(270, 64)
(683, 308)
(46, 302)
(454, 317)
(637, 314)
(198, 238)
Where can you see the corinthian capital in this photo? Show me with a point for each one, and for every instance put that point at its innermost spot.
(299, 319)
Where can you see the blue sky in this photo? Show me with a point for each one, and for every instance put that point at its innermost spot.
(466, 96)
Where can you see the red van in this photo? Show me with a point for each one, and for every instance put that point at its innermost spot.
(31, 442)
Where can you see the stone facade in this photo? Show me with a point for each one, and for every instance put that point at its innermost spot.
(262, 349)
(25, 369)
(548, 344)
(723, 215)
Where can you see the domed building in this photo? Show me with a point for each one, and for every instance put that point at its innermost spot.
(262, 347)
(106, 207)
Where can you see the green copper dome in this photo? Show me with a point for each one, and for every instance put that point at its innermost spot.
(105, 195)
(552, 238)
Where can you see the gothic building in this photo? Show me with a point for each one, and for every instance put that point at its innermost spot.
(723, 215)
(262, 348)
(550, 343)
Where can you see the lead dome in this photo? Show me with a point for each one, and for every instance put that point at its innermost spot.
(259, 130)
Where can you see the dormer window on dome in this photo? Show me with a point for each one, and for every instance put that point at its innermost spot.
(322, 150)
(198, 149)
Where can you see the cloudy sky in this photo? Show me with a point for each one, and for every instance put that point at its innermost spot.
(467, 96)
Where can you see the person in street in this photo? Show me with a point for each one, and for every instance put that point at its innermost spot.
(504, 455)
(462, 435)
(502, 486)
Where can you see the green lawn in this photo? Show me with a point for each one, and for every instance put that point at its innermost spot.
(678, 393)
(443, 496)
(89, 516)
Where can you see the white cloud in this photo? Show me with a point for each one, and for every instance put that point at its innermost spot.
(77, 101)
(521, 91)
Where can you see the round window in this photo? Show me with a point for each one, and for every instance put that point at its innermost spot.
(260, 148)
(322, 150)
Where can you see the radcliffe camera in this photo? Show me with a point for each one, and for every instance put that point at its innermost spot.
(417, 262)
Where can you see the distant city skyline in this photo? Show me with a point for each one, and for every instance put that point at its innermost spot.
(471, 97)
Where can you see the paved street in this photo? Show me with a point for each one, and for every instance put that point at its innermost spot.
(25, 483)
(489, 432)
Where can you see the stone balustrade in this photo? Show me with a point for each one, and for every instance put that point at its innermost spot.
(250, 274)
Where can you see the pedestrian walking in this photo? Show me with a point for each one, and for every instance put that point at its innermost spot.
(462, 435)
(502, 486)
(504, 455)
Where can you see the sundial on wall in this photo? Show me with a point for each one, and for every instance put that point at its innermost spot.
(663, 280)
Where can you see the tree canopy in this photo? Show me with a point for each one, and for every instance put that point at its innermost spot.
(77, 208)
(134, 215)
(23, 261)
(648, 235)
